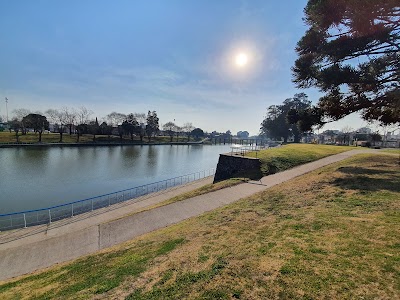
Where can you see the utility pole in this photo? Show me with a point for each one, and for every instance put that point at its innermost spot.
(7, 108)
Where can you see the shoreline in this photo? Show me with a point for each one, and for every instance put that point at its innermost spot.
(22, 145)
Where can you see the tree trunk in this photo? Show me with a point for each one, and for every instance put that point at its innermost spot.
(132, 136)
(94, 137)
(60, 136)
(40, 136)
(77, 137)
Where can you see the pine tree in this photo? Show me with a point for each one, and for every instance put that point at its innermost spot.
(351, 53)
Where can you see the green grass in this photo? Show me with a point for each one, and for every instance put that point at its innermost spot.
(330, 234)
(278, 159)
(94, 274)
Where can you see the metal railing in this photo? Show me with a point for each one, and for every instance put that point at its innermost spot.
(243, 149)
(50, 214)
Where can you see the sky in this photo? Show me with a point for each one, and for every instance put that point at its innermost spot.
(174, 57)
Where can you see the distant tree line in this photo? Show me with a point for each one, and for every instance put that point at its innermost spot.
(78, 122)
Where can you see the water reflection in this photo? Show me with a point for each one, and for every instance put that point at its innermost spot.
(32, 178)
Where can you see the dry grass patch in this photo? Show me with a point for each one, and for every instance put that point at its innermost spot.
(392, 151)
(207, 188)
(331, 234)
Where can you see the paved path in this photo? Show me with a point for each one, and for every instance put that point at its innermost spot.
(22, 253)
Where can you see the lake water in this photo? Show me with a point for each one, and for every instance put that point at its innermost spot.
(33, 178)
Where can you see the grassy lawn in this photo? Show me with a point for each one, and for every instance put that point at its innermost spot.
(30, 137)
(330, 234)
(288, 156)
(393, 151)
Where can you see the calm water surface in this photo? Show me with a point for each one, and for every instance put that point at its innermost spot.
(32, 178)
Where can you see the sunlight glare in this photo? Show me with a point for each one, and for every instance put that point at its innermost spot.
(241, 59)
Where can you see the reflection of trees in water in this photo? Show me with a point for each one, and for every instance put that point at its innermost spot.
(32, 161)
(55, 175)
(130, 156)
(152, 155)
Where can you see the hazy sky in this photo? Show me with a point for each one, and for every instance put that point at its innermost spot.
(175, 57)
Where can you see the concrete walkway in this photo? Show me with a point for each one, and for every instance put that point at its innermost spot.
(25, 252)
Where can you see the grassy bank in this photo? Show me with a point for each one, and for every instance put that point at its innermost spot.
(331, 234)
(30, 137)
(207, 188)
(393, 151)
(288, 156)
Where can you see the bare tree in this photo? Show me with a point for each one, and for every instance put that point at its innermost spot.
(169, 127)
(83, 115)
(116, 118)
(19, 114)
(387, 129)
(16, 126)
(57, 117)
(178, 131)
(347, 130)
(187, 129)
(70, 117)
(141, 119)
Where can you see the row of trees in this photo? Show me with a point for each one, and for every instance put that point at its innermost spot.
(187, 129)
(78, 122)
(347, 135)
(37, 122)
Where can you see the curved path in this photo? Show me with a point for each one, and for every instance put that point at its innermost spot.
(25, 252)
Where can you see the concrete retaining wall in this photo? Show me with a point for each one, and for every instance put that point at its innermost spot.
(237, 166)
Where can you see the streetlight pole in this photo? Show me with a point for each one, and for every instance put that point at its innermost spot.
(7, 107)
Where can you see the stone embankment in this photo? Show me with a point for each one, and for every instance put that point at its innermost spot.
(230, 165)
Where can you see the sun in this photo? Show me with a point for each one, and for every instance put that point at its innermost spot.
(241, 59)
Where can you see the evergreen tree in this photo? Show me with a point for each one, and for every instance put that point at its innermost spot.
(276, 124)
(351, 53)
(152, 126)
(37, 122)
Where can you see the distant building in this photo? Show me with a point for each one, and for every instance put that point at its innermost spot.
(364, 130)
(242, 134)
(4, 126)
